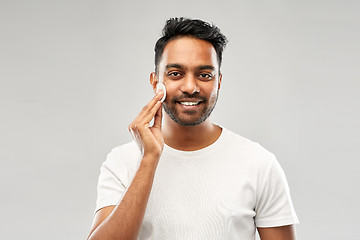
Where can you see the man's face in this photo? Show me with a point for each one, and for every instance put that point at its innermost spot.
(190, 71)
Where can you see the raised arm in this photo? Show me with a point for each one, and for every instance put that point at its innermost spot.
(124, 220)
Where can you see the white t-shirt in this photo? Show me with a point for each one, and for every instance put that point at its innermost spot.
(223, 191)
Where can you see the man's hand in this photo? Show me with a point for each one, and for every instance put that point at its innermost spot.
(124, 221)
(149, 139)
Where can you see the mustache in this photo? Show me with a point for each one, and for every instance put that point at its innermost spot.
(189, 96)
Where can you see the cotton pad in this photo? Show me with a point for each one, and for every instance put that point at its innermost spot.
(162, 87)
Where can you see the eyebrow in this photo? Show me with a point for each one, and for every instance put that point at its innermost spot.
(174, 65)
(206, 67)
(202, 67)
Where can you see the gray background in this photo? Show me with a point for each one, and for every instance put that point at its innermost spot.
(75, 73)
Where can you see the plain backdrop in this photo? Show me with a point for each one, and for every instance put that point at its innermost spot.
(75, 73)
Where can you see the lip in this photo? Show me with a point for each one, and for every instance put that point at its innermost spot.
(189, 100)
(189, 107)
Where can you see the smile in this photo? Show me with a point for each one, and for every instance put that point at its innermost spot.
(189, 103)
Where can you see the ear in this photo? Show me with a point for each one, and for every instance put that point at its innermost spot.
(153, 80)
(220, 79)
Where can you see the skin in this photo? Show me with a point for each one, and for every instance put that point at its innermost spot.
(278, 233)
(179, 71)
(124, 220)
(190, 72)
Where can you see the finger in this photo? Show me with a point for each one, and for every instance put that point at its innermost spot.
(149, 110)
(151, 104)
(147, 118)
(158, 118)
(143, 122)
(146, 114)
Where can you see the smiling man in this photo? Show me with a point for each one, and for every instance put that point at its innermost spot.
(185, 177)
(190, 58)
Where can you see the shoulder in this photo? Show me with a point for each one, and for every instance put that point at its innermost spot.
(247, 149)
(127, 150)
(123, 161)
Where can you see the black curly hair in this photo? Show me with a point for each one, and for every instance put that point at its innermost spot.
(178, 27)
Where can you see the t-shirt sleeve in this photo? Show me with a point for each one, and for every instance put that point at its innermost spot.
(110, 189)
(274, 206)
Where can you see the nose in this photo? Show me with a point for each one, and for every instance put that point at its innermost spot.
(189, 85)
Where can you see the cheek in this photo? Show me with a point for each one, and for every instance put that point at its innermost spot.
(213, 95)
(212, 90)
(171, 89)
(207, 89)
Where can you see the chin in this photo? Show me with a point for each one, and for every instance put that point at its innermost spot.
(188, 117)
(188, 121)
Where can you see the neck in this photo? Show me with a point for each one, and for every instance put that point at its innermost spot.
(189, 138)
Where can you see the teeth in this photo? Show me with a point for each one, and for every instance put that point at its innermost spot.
(189, 103)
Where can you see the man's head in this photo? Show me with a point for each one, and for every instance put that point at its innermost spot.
(187, 61)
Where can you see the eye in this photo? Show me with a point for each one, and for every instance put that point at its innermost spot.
(175, 74)
(206, 76)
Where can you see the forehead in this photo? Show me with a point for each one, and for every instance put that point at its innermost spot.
(189, 52)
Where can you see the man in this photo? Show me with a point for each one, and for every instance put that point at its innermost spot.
(185, 177)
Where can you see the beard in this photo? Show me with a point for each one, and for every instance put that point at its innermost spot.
(209, 105)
